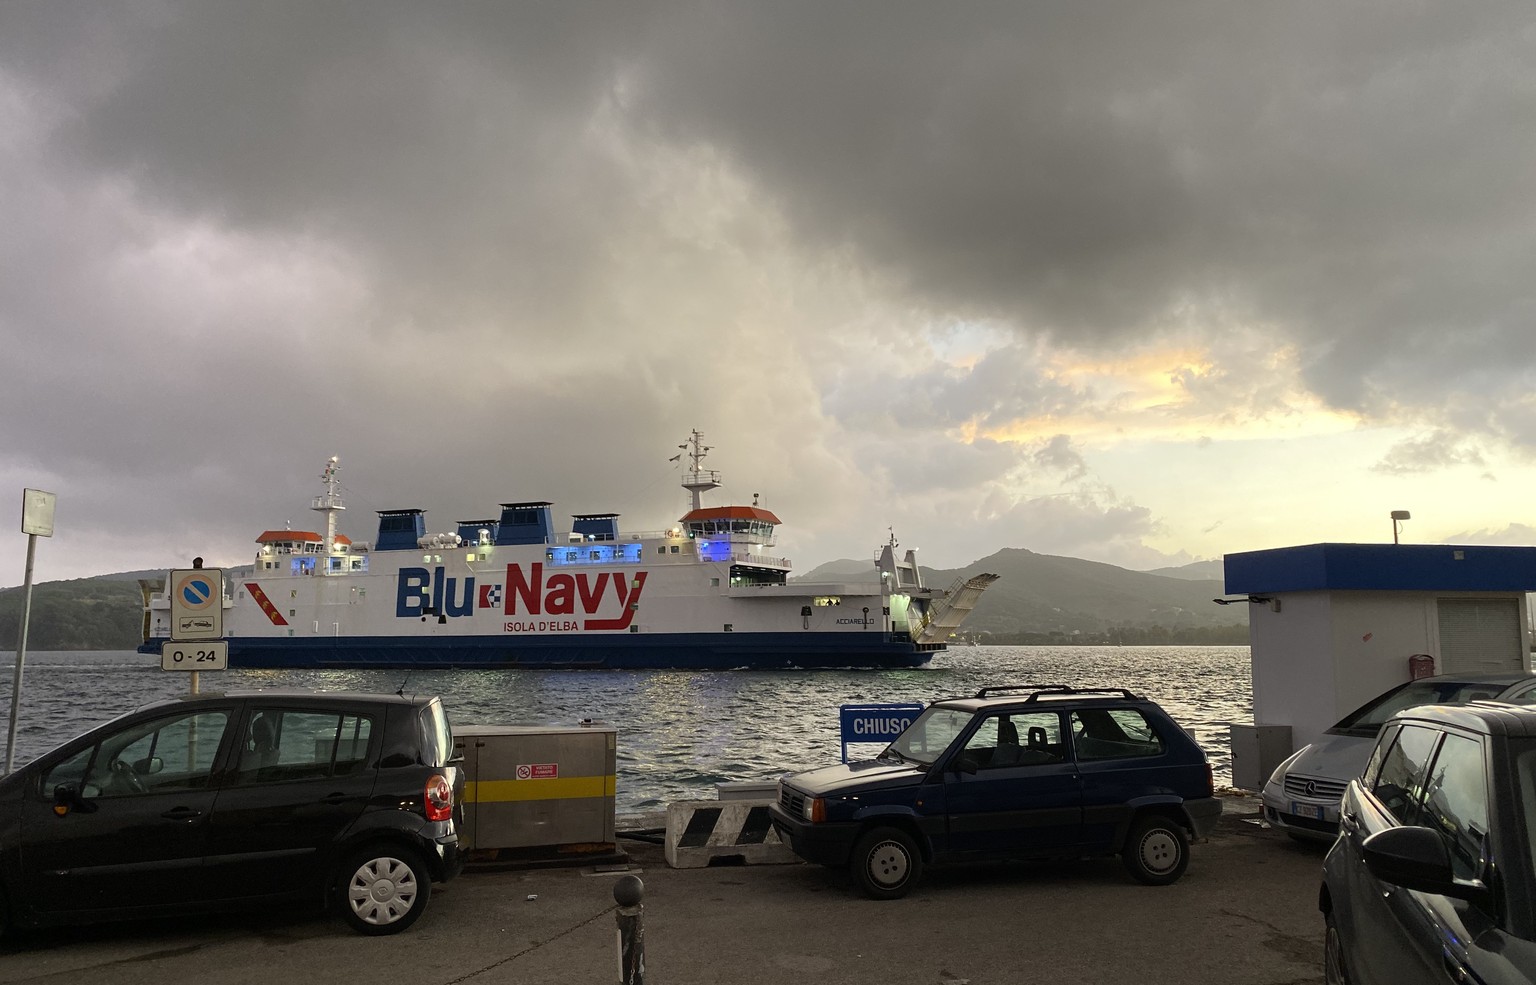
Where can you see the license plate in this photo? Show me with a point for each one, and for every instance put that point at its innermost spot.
(1307, 810)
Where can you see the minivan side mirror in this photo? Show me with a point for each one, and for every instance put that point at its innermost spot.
(1417, 858)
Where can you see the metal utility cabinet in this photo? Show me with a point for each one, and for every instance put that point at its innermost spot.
(538, 791)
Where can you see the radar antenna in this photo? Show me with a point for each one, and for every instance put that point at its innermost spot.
(696, 479)
(330, 504)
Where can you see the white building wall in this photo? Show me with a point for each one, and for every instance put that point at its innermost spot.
(1374, 634)
(1324, 654)
(1291, 654)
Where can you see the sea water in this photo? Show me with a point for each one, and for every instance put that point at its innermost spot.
(679, 732)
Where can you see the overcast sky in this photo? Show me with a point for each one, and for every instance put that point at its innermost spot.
(1143, 283)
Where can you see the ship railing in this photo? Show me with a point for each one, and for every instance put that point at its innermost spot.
(653, 535)
(772, 562)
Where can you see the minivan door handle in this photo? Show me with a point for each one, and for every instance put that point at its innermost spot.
(1349, 822)
(181, 814)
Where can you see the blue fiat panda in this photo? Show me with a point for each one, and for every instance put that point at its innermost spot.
(1018, 771)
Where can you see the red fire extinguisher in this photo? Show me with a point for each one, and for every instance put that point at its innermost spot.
(1420, 665)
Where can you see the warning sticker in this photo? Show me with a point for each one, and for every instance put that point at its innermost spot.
(537, 771)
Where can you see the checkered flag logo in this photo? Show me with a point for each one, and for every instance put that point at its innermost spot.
(490, 596)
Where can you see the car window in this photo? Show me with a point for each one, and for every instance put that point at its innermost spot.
(281, 746)
(175, 752)
(71, 771)
(933, 732)
(1400, 785)
(1523, 754)
(1113, 733)
(1378, 755)
(1522, 696)
(1015, 739)
(1369, 718)
(1456, 802)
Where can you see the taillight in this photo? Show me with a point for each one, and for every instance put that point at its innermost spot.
(439, 798)
(1210, 780)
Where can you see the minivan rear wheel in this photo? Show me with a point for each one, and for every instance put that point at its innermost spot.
(382, 889)
(886, 863)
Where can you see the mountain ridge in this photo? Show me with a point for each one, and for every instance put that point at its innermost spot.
(1049, 596)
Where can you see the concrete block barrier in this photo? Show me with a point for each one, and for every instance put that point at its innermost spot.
(702, 833)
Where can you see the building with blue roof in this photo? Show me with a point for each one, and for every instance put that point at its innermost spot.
(1331, 626)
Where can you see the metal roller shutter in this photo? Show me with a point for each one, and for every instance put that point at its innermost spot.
(1479, 635)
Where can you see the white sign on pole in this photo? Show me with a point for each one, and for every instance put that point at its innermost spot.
(211, 655)
(37, 512)
(197, 604)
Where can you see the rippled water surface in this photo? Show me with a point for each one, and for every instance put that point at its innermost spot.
(679, 732)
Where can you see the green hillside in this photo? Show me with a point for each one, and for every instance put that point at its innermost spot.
(83, 614)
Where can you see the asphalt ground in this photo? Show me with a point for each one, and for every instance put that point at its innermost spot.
(1244, 913)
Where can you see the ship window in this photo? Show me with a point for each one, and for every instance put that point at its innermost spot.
(826, 600)
(634, 629)
(674, 549)
(596, 555)
(728, 628)
(714, 583)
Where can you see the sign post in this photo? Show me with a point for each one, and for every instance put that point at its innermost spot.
(197, 622)
(36, 521)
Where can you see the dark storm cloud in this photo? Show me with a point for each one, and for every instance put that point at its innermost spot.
(445, 144)
(1344, 174)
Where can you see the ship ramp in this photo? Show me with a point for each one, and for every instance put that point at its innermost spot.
(947, 613)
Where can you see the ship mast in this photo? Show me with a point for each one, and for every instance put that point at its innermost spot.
(697, 480)
(330, 504)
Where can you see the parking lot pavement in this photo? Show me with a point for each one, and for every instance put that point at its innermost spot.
(1245, 913)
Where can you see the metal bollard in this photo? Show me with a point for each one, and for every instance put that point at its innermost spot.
(627, 893)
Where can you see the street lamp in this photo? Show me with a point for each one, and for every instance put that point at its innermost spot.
(1398, 516)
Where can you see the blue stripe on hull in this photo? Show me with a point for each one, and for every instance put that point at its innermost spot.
(686, 651)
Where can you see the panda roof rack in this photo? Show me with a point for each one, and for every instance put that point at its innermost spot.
(1056, 690)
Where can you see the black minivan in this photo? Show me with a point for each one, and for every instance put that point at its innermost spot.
(233, 801)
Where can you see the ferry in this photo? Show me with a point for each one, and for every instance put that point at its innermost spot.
(708, 593)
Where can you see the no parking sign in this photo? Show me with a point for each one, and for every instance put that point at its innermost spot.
(197, 604)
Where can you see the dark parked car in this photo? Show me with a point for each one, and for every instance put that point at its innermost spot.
(237, 800)
(1021, 771)
(1432, 876)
